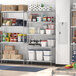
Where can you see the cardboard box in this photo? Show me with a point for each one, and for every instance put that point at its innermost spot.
(73, 21)
(74, 13)
(13, 52)
(6, 52)
(8, 47)
(22, 7)
(9, 8)
(17, 56)
(6, 56)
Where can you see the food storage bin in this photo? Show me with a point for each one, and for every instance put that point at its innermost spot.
(31, 54)
(51, 43)
(47, 52)
(48, 31)
(42, 31)
(47, 58)
(32, 30)
(43, 43)
(39, 55)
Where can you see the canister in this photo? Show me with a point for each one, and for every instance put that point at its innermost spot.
(44, 43)
(24, 38)
(7, 39)
(20, 37)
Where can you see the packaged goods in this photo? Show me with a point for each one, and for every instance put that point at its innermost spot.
(38, 19)
(6, 56)
(20, 38)
(42, 31)
(15, 34)
(24, 38)
(49, 19)
(9, 47)
(11, 39)
(22, 7)
(9, 7)
(47, 52)
(3, 39)
(7, 39)
(45, 19)
(15, 39)
(9, 34)
(9, 23)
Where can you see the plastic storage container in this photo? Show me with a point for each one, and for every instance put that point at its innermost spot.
(31, 54)
(44, 43)
(51, 43)
(47, 58)
(39, 55)
(47, 52)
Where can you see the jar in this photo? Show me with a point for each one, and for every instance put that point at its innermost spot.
(20, 37)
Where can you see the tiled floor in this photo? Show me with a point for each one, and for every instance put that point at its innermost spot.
(46, 72)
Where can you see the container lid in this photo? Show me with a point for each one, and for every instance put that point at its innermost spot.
(44, 41)
(20, 34)
(24, 34)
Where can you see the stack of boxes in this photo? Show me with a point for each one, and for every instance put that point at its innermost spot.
(10, 53)
(14, 8)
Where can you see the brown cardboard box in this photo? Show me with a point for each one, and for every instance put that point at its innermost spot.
(74, 13)
(9, 7)
(8, 47)
(73, 21)
(13, 52)
(18, 56)
(6, 52)
(22, 7)
(6, 56)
